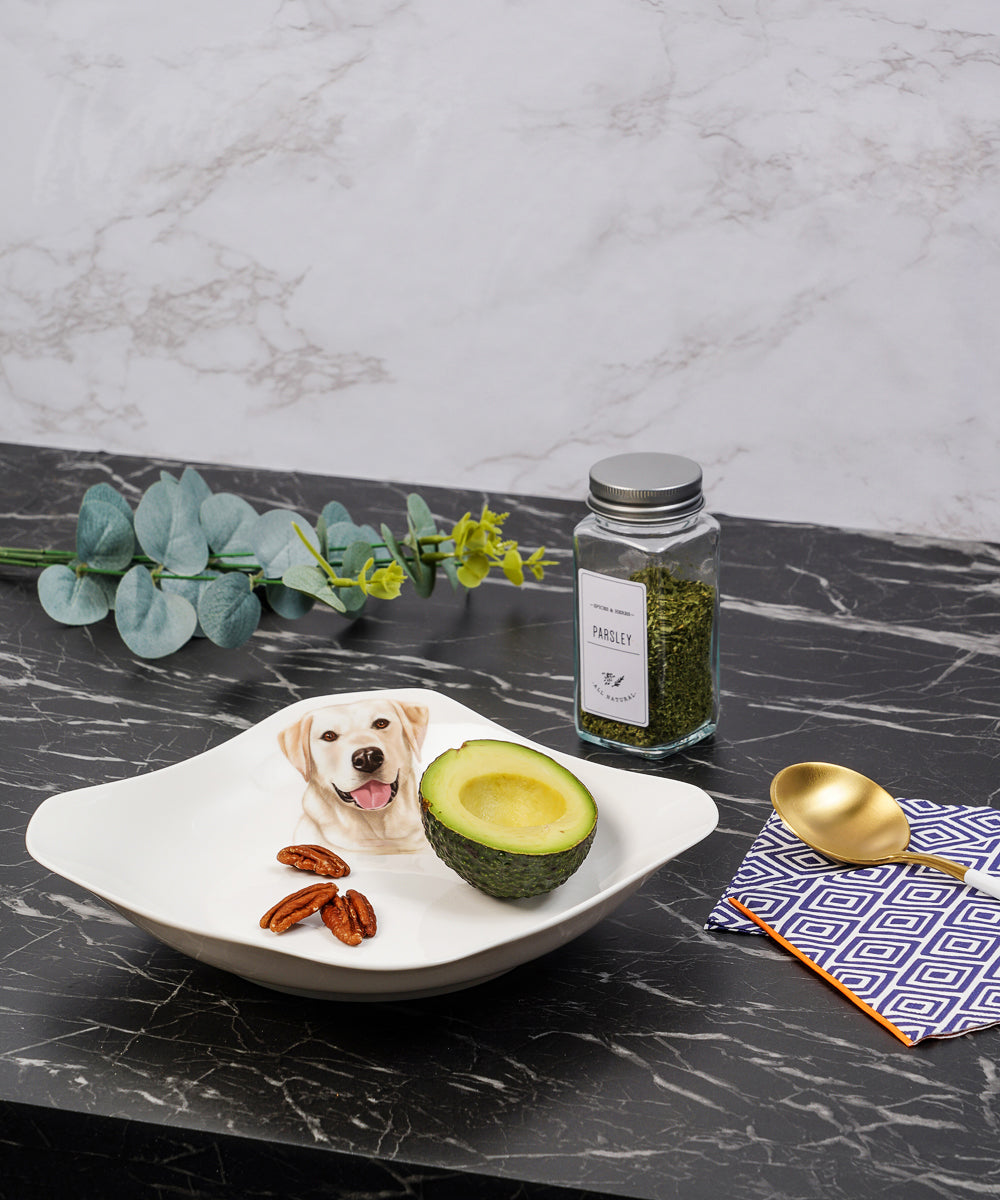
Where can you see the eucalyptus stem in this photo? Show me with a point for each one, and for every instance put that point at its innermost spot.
(32, 557)
(21, 556)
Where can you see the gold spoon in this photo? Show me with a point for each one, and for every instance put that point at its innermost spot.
(852, 820)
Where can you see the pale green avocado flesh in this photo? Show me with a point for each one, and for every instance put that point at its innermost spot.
(509, 819)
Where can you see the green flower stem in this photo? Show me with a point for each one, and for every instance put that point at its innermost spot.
(379, 562)
(332, 575)
(32, 558)
(15, 556)
(20, 557)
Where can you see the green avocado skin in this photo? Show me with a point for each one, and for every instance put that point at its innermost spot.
(502, 873)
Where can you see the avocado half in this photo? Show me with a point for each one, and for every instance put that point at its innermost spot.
(509, 819)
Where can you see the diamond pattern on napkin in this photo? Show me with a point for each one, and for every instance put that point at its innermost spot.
(917, 950)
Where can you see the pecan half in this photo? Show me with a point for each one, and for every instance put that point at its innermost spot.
(297, 906)
(350, 918)
(317, 859)
(361, 906)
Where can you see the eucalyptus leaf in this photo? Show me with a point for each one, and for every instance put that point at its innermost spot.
(354, 558)
(227, 520)
(152, 623)
(289, 603)
(108, 585)
(421, 524)
(423, 573)
(421, 517)
(423, 583)
(335, 513)
(276, 545)
(420, 574)
(448, 565)
(69, 598)
(195, 486)
(110, 495)
(104, 535)
(191, 590)
(228, 610)
(340, 534)
(395, 550)
(168, 528)
(313, 581)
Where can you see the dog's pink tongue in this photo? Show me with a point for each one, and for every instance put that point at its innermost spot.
(372, 795)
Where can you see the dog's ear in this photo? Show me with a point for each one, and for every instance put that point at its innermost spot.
(414, 719)
(294, 743)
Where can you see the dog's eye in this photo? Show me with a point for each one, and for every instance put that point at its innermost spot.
(380, 723)
(328, 735)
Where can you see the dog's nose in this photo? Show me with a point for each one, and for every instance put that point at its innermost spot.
(367, 759)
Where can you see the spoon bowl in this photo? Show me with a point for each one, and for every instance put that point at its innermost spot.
(839, 813)
(850, 819)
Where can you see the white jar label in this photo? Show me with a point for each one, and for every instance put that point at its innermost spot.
(614, 673)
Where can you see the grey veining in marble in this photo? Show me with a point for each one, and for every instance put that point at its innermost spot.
(486, 245)
(646, 1059)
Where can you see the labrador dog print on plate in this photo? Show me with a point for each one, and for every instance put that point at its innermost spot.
(360, 762)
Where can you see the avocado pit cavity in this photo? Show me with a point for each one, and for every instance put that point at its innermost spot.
(516, 801)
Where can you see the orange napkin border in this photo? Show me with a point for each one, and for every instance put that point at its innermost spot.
(855, 999)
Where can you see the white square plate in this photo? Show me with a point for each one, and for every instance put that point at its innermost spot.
(187, 853)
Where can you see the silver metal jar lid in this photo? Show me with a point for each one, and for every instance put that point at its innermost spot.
(645, 487)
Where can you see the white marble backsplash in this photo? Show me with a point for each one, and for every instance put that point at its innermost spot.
(485, 244)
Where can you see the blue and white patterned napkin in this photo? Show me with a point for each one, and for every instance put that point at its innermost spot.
(915, 949)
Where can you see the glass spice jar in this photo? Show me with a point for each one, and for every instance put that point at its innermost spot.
(646, 562)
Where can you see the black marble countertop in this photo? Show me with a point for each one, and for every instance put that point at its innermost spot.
(648, 1058)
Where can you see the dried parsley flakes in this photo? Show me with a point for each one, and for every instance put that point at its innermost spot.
(680, 617)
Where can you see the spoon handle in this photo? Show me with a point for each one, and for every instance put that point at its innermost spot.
(980, 880)
(989, 884)
(954, 869)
